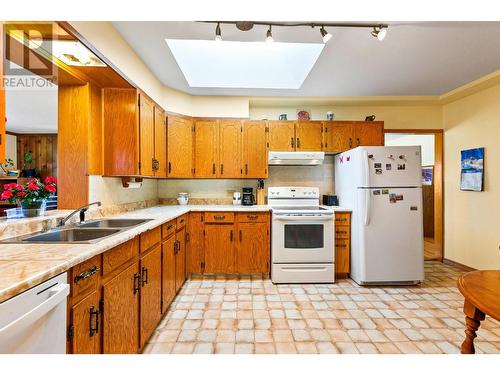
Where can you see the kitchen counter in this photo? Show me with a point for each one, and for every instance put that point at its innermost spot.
(25, 265)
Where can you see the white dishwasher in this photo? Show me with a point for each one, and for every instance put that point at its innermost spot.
(35, 321)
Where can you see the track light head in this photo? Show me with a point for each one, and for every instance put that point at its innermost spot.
(379, 32)
(325, 34)
(269, 35)
(218, 35)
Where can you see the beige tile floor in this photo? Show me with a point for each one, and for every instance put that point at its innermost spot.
(249, 315)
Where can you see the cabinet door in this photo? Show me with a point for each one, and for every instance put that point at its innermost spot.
(219, 248)
(206, 149)
(180, 259)
(229, 149)
(337, 136)
(160, 143)
(85, 319)
(150, 293)
(281, 135)
(254, 149)
(369, 133)
(179, 147)
(121, 313)
(168, 272)
(194, 243)
(252, 249)
(146, 135)
(308, 135)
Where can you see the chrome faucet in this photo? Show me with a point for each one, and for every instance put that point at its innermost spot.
(80, 210)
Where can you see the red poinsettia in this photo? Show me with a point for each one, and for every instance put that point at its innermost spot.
(31, 194)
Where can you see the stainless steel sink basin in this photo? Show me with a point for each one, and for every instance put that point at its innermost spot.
(113, 223)
(69, 235)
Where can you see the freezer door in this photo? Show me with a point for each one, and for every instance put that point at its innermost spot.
(392, 166)
(390, 235)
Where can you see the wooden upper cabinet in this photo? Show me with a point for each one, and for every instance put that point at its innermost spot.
(160, 142)
(120, 132)
(254, 149)
(308, 135)
(219, 248)
(281, 135)
(179, 147)
(368, 133)
(121, 313)
(150, 293)
(337, 136)
(146, 136)
(206, 148)
(229, 149)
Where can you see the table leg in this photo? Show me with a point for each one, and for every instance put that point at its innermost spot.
(473, 318)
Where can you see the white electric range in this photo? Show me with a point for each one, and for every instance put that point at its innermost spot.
(302, 240)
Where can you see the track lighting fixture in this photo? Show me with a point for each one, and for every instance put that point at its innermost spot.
(325, 34)
(269, 35)
(218, 35)
(379, 32)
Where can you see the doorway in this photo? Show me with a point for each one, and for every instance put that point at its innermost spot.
(431, 142)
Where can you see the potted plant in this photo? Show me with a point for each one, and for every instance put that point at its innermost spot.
(28, 159)
(30, 196)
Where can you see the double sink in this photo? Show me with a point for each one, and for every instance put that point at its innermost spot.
(86, 232)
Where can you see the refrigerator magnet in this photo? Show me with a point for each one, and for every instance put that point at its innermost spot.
(376, 192)
(378, 171)
(399, 197)
(377, 165)
(388, 167)
(385, 191)
(392, 198)
(401, 167)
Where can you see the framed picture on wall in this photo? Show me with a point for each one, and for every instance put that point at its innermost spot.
(471, 169)
(427, 175)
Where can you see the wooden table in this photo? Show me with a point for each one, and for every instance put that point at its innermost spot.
(481, 290)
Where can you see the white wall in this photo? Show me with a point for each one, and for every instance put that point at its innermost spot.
(426, 141)
(109, 191)
(11, 148)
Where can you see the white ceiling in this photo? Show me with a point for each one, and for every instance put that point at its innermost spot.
(427, 58)
(30, 110)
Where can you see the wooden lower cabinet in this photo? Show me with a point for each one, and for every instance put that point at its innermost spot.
(121, 312)
(342, 244)
(219, 248)
(86, 332)
(180, 258)
(252, 248)
(168, 272)
(150, 311)
(194, 243)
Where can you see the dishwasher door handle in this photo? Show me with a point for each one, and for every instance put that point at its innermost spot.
(56, 295)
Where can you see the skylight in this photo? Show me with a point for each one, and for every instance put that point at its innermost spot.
(228, 64)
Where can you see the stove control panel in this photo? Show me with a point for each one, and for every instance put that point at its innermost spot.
(293, 192)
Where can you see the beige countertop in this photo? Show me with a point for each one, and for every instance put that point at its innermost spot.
(24, 265)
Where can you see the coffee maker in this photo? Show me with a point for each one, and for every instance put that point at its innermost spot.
(247, 197)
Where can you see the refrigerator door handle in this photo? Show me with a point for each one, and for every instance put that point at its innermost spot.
(368, 208)
(366, 169)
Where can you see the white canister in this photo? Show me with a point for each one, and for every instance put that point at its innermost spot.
(183, 198)
(237, 198)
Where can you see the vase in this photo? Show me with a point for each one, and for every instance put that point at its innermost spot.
(33, 209)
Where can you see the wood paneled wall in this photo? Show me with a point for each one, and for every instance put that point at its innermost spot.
(44, 150)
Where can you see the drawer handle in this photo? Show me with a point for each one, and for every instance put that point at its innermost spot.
(344, 245)
(170, 226)
(219, 217)
(252, 217)
(341, 231)
(93, 328)
(344, 219)
(86, 274)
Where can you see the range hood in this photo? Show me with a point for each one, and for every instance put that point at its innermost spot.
(296, 158)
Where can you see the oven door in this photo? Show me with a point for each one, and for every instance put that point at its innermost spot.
(302, 238)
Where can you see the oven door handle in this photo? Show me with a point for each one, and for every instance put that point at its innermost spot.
(303, 218)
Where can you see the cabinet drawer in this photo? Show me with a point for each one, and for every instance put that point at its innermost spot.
(181, 221)
(150, 238)
(252, 217)
(119, 255)
(342, 218)
(85, 276)
(168, 229)
(342, 243)
(342, 231)
(219, 217)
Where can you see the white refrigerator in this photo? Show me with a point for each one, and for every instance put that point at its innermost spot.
(383, 187)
